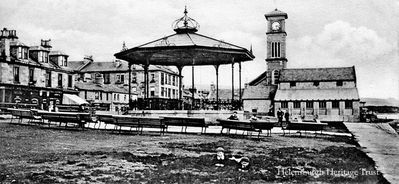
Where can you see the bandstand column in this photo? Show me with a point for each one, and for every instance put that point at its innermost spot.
(130, 86)
(217, 86)
(193, 87)
(180, 68)
(232, 82)
(145, 84)
(239, 80)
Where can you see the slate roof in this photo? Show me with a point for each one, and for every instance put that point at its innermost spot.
(318, 74)
(77, 65)
(259, 92)
(96, 87)
(224, 94)
(258, 79)
(190, 39)
(57, 53)
(317, 94)
(17, 43)
(110, 66)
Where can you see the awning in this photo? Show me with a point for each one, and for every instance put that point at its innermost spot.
(73, 100)
(316, 94)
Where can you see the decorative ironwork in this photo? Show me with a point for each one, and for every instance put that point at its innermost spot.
(164, 42)
(222, 44)
(185, 24)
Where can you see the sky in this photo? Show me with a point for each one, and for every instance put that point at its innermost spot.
(320, 33)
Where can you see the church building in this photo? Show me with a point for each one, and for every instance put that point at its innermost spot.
(328, 93)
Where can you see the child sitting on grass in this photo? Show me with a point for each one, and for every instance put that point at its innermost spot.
(220, 158)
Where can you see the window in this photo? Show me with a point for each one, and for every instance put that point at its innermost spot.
(120, 79)
(114, 97)
(152, 78)
(348, 104)
(107, 78)
(106, 96)
(44, 57)
(162, 79)
(275, 76)
(19, 53)
(25, 51)
(16, 74)
(335, 104)
(118, 97)
(96, 95)
(297, 105)
(70, 79)
(275, 49)
(60, 80)
(48, 78)
(174, 81)
(124, 98)
(31, 74)
(322, 105)
(339, 83)
(309, 105)
(162, 91)
(85, 94)
(40, 56)
(284, 105)
(134, 78)
(292, 84)
(174, 93)
(317, 83)
(152, 91)
(169, 93)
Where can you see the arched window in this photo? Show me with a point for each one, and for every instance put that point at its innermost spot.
(275, 75)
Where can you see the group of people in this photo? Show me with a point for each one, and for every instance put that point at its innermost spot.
(281, 114)
(237, 159)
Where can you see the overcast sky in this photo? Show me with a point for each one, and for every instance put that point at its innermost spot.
(321, 33)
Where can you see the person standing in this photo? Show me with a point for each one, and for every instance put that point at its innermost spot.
(287, 117)
(280, 115)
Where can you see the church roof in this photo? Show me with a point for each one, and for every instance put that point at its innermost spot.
(318, 74)
(276, 13)
(258, 79)
(259, 92)
(316, 94)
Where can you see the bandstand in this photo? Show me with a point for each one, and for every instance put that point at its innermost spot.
(186, 48)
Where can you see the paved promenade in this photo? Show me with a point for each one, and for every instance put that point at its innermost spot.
(381, 143)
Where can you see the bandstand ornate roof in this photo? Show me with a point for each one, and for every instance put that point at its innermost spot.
(186, 47)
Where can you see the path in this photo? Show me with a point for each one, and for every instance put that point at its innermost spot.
(381, 143)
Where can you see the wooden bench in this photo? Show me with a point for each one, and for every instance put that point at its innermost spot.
(245, 125)
(305, 126)
(185, 122)
(138, 122)
(106, 119)
(65, 117)
(264, 125)
(23, 114)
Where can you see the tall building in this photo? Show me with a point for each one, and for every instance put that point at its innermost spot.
(329, 93)
(34, 75)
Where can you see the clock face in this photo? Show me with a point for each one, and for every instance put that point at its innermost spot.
(275, 26)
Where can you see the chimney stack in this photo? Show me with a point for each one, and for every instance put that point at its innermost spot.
(46, 44)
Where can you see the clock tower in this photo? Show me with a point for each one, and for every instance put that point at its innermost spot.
(276, 45)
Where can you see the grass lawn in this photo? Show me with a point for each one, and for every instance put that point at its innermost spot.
(37, 155)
